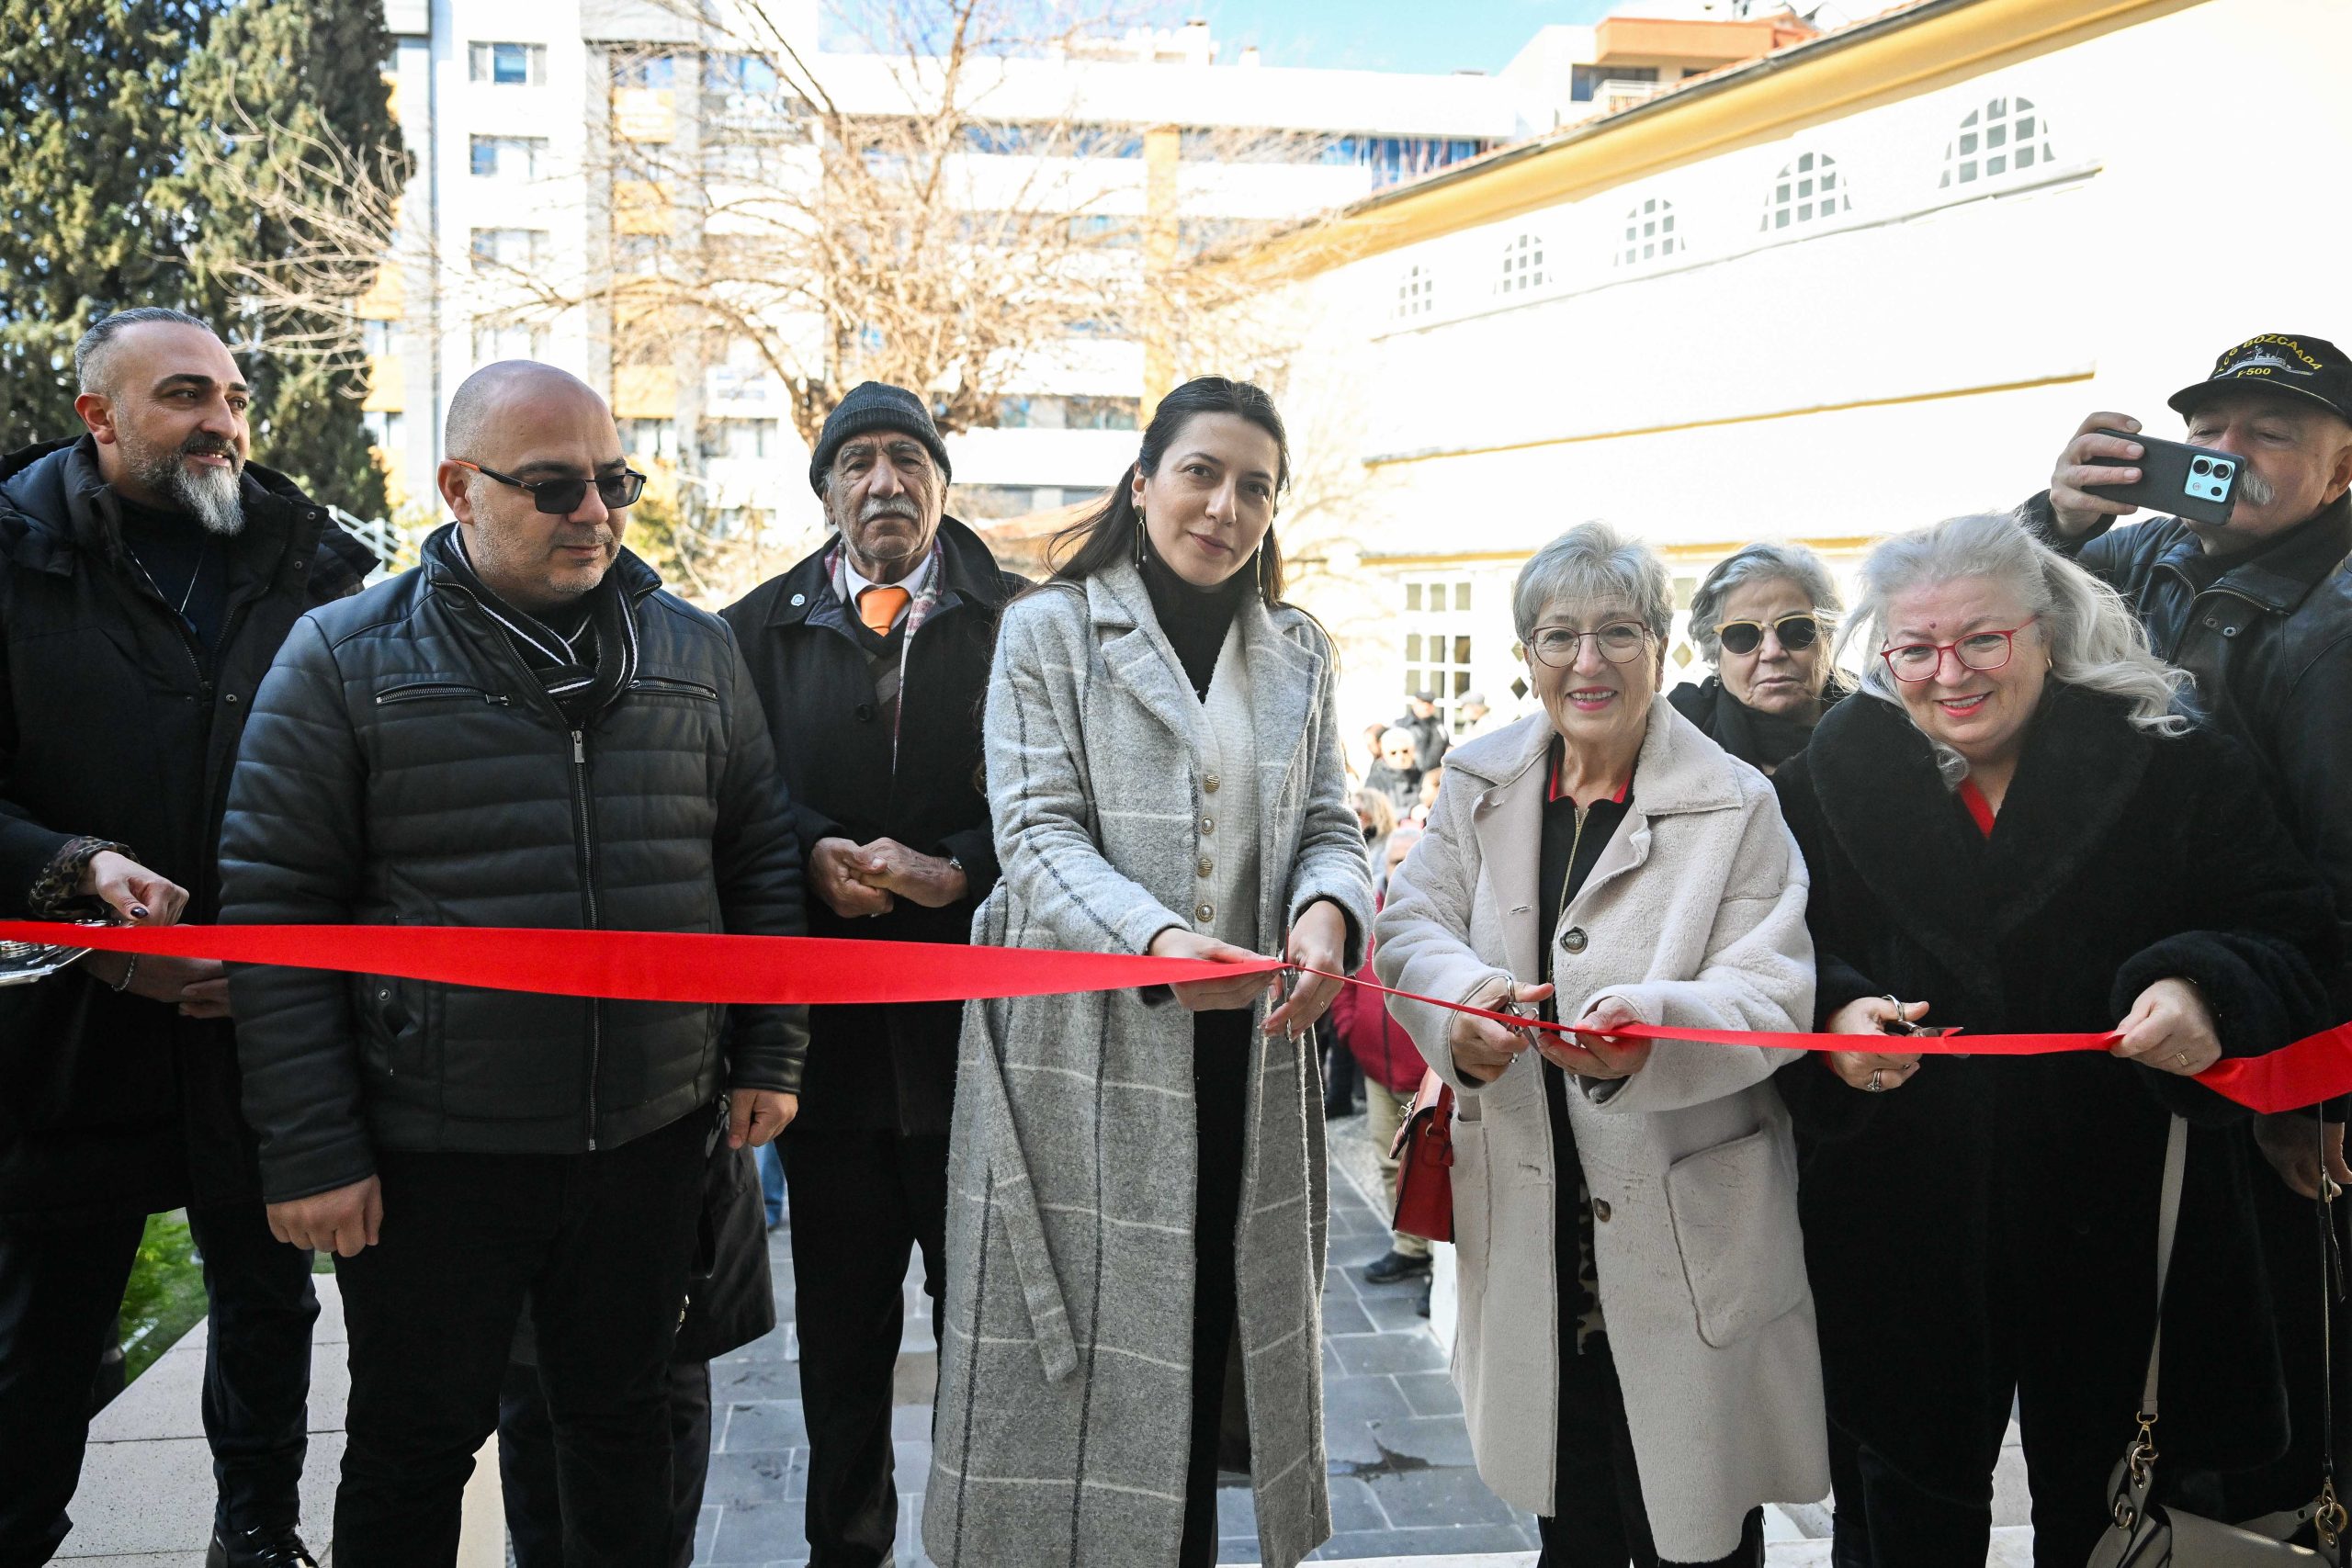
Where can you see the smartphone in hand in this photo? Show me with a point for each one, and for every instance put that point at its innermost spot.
(2194, 482)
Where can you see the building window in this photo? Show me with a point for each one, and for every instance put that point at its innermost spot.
(992, 502)
(2006, 137)
(517, 250)
(742, 439)
(1806, 191)
(508, 64)
(1522, 264)
(1416, 292)
(494, 341)
(1046, 411)
(1649, 234)
(658, 72)
(653, 439)
(379, 339)
(1439, 631)
(387, 429)
(1585, 82)
(508, 157)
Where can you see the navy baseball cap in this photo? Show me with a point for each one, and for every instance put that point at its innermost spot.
(2287, 362)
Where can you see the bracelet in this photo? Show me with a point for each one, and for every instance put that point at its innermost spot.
(130, 972)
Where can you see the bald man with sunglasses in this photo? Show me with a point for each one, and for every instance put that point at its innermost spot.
(524, 730)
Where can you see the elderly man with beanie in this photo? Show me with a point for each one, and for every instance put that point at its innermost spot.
(2259, 610)
(871, 656)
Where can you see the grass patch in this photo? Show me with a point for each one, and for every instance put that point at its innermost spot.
(166, 1297)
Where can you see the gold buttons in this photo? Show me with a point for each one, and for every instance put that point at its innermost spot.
(1209, 783)
(1600, 1210)
(1573, 940)
(1207, 866)
(1208, 824)
(1205, 913)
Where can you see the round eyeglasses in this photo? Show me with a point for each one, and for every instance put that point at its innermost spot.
(561, 497)
(1796, 633)
(1620, 642)
(1917, 661)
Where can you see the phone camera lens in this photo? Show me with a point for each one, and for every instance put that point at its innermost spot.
(2220, 470)
(2199, 466)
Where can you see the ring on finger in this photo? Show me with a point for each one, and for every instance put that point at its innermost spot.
(1874, 1086)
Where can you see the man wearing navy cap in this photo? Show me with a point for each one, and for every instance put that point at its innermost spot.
(2259, 611)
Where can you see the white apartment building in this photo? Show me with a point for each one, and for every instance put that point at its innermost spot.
(507, 104)
(1869, 281)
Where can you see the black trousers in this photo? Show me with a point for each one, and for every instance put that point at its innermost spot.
(601, 1243)
(1221, 1047)
(1600, 1520)
(861, 1201)
(59, 1290)
(526, 1465)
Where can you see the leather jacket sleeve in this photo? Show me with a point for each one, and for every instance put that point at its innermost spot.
(757, 853)
(292, 848)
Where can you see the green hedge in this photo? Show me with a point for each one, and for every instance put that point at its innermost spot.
(166, 1297)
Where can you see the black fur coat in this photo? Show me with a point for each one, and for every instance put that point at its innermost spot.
(1996, 1212)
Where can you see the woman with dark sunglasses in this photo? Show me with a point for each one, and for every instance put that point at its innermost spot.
(2012, 827)
(1763, 618)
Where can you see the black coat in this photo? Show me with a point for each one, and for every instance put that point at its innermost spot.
(873, 1067)
(2002, 1197)
(2270, 644)
(403, 767)
(111, 727)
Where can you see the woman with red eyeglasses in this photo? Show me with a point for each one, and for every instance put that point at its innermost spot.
(1763, 619)
(2016, 827)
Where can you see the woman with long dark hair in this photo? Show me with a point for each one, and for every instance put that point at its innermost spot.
(1135, 1241)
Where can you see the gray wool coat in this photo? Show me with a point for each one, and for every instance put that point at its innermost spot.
(1065, 1381)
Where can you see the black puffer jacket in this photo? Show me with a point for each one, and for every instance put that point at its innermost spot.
(1990, 1192)
(403, 767)
(2270, 641)
(111, 727)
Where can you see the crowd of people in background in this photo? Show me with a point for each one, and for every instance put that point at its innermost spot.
(2043, 775)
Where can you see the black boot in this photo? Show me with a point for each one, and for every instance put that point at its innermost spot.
(1395, 1268)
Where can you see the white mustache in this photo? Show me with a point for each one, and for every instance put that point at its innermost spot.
(2257, 490)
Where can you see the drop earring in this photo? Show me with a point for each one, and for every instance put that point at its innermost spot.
(1139, 539)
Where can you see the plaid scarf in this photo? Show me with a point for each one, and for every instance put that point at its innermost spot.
(586, 672)
(890, 673)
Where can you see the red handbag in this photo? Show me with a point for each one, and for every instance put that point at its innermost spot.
(1424, 1153)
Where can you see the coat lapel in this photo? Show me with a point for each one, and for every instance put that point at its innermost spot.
(1508, 822)
(1284, 680)
(1135, 653)
(2083, 763)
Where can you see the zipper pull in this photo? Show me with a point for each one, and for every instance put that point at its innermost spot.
(579, 747)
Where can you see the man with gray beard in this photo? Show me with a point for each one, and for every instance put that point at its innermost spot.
(148, 573)
(871, 656)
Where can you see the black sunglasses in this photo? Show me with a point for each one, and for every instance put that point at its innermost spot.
(1796, 633)
(561, 498)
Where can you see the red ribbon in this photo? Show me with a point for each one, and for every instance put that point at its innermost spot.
(663, 966)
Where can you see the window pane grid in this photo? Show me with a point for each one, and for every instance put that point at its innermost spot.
(1804, 192)
(2004, 137)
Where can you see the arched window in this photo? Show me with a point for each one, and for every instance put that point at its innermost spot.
(1522, 264)
(1416, 292)
(2006, 137)
(1806, 191)
(1649, 234)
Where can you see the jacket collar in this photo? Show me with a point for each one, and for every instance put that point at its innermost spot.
(57, 488)
(972, 577)
(1954, 891)
(1678, 771)
(2282, 576)
(637, 580)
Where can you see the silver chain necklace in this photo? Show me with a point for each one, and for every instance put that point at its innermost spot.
(203, 554)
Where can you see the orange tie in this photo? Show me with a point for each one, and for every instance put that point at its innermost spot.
(879, 607)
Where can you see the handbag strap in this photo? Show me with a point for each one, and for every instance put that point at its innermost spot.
(2168, 1223)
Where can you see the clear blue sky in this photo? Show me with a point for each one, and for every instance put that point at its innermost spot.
(1385, 34)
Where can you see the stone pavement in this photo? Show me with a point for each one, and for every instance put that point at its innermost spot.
(1403, 1490)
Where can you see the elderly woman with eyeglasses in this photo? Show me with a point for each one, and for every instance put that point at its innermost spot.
(1637, 1356)
(1763, 619)
(2012, 829)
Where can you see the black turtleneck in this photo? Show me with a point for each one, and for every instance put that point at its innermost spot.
(1195, 619)
(187, 566)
